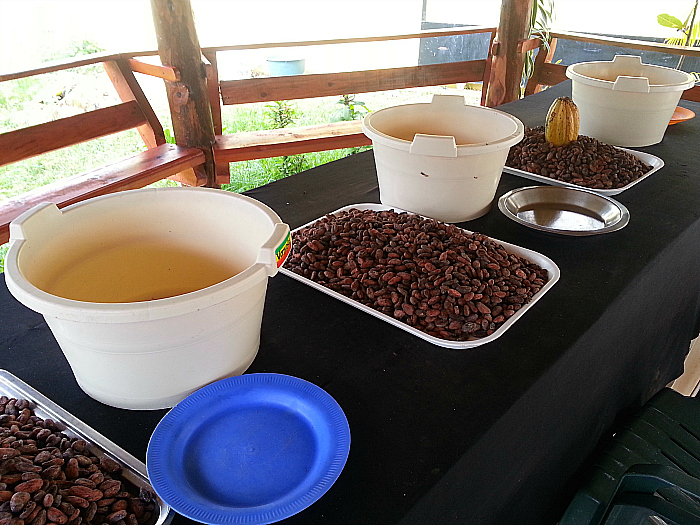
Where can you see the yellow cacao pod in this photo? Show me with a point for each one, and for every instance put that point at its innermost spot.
(561, 125)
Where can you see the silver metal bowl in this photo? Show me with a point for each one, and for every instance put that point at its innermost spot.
(563, 210)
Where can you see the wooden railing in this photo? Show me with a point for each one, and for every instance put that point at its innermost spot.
(291, 141)
(163, 160)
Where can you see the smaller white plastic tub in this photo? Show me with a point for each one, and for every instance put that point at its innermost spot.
(625, 102)
(443, 159)
(151, 293)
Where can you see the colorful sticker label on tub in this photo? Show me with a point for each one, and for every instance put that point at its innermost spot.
(283, 249)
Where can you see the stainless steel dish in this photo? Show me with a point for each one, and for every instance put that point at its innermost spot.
(563, 210)
(133, 470)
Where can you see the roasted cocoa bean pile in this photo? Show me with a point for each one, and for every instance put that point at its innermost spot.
(433, 276)
(48, 477)
(585, 162)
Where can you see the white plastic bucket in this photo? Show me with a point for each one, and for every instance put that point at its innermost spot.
(443, 159)
(110, 258)
(624, 102)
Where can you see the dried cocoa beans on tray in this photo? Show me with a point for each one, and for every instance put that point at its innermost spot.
(585, 162)
(47, 477)
(433, 276)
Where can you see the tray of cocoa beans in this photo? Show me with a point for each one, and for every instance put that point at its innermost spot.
(582, 163)
(449, 286)
(56, 469)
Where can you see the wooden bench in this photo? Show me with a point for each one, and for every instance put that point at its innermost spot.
(133, 172)
(159, 161)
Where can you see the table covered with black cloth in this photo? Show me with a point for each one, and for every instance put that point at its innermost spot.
(492, 434)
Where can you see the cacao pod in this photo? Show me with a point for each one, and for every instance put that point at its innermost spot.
(561, 125)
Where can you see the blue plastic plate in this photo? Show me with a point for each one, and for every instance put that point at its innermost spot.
(255, 448)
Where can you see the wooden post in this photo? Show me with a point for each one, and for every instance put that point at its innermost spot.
(178, 46)
(508, 58)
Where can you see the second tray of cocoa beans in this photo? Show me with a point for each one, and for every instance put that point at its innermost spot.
(585, 161)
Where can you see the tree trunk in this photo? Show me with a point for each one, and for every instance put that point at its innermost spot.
(508, 60)
(178, 46)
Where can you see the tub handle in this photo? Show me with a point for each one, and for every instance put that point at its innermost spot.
(632, 84)
(433, 145)
(627, 60)
(275, 251)
(35, 222)
(447, 101)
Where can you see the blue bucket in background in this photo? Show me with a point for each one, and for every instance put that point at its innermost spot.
(281, 67)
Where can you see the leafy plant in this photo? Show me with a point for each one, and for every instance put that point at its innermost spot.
(540, 24)
(282, 114)
(350, 109)
(169, 136)
(689, 31)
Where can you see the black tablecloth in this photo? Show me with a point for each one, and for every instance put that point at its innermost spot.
(487, 435)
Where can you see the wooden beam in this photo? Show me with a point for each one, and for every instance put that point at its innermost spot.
(426, 33)
(528, 45)
(507, 63)
(642, 45)
(131, 173)
(128, 89)
(60, 65)
(250, 145)
(540, 75)
(264, 89)
(96, 58)
(29, 142)
(154, 70)
(223, 170)
(178, 46)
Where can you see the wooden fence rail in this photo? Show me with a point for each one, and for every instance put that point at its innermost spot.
(164, 160)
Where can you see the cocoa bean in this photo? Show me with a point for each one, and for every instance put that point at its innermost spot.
(19, 500)
(30, 486)
(56, 516)
(115, 516)
(6, 453)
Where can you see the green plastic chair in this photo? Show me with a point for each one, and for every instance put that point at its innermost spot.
(658, 448)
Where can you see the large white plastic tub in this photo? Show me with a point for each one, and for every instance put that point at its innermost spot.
(104, 272)
(624, 102)
(443, 159)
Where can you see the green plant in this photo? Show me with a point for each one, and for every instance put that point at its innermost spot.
(540, 24)
(3, 253)
(350, 109)
(16, 93)
(169, 136)
(281, 114)
(689, 31)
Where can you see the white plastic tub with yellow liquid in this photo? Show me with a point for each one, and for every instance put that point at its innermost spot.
(150, 293)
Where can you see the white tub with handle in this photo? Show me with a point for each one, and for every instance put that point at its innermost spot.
(150, 293)
(443, 159)
(625, 102)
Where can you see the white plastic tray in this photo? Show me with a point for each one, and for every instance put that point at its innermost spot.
(655, 162)
(543, 261)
